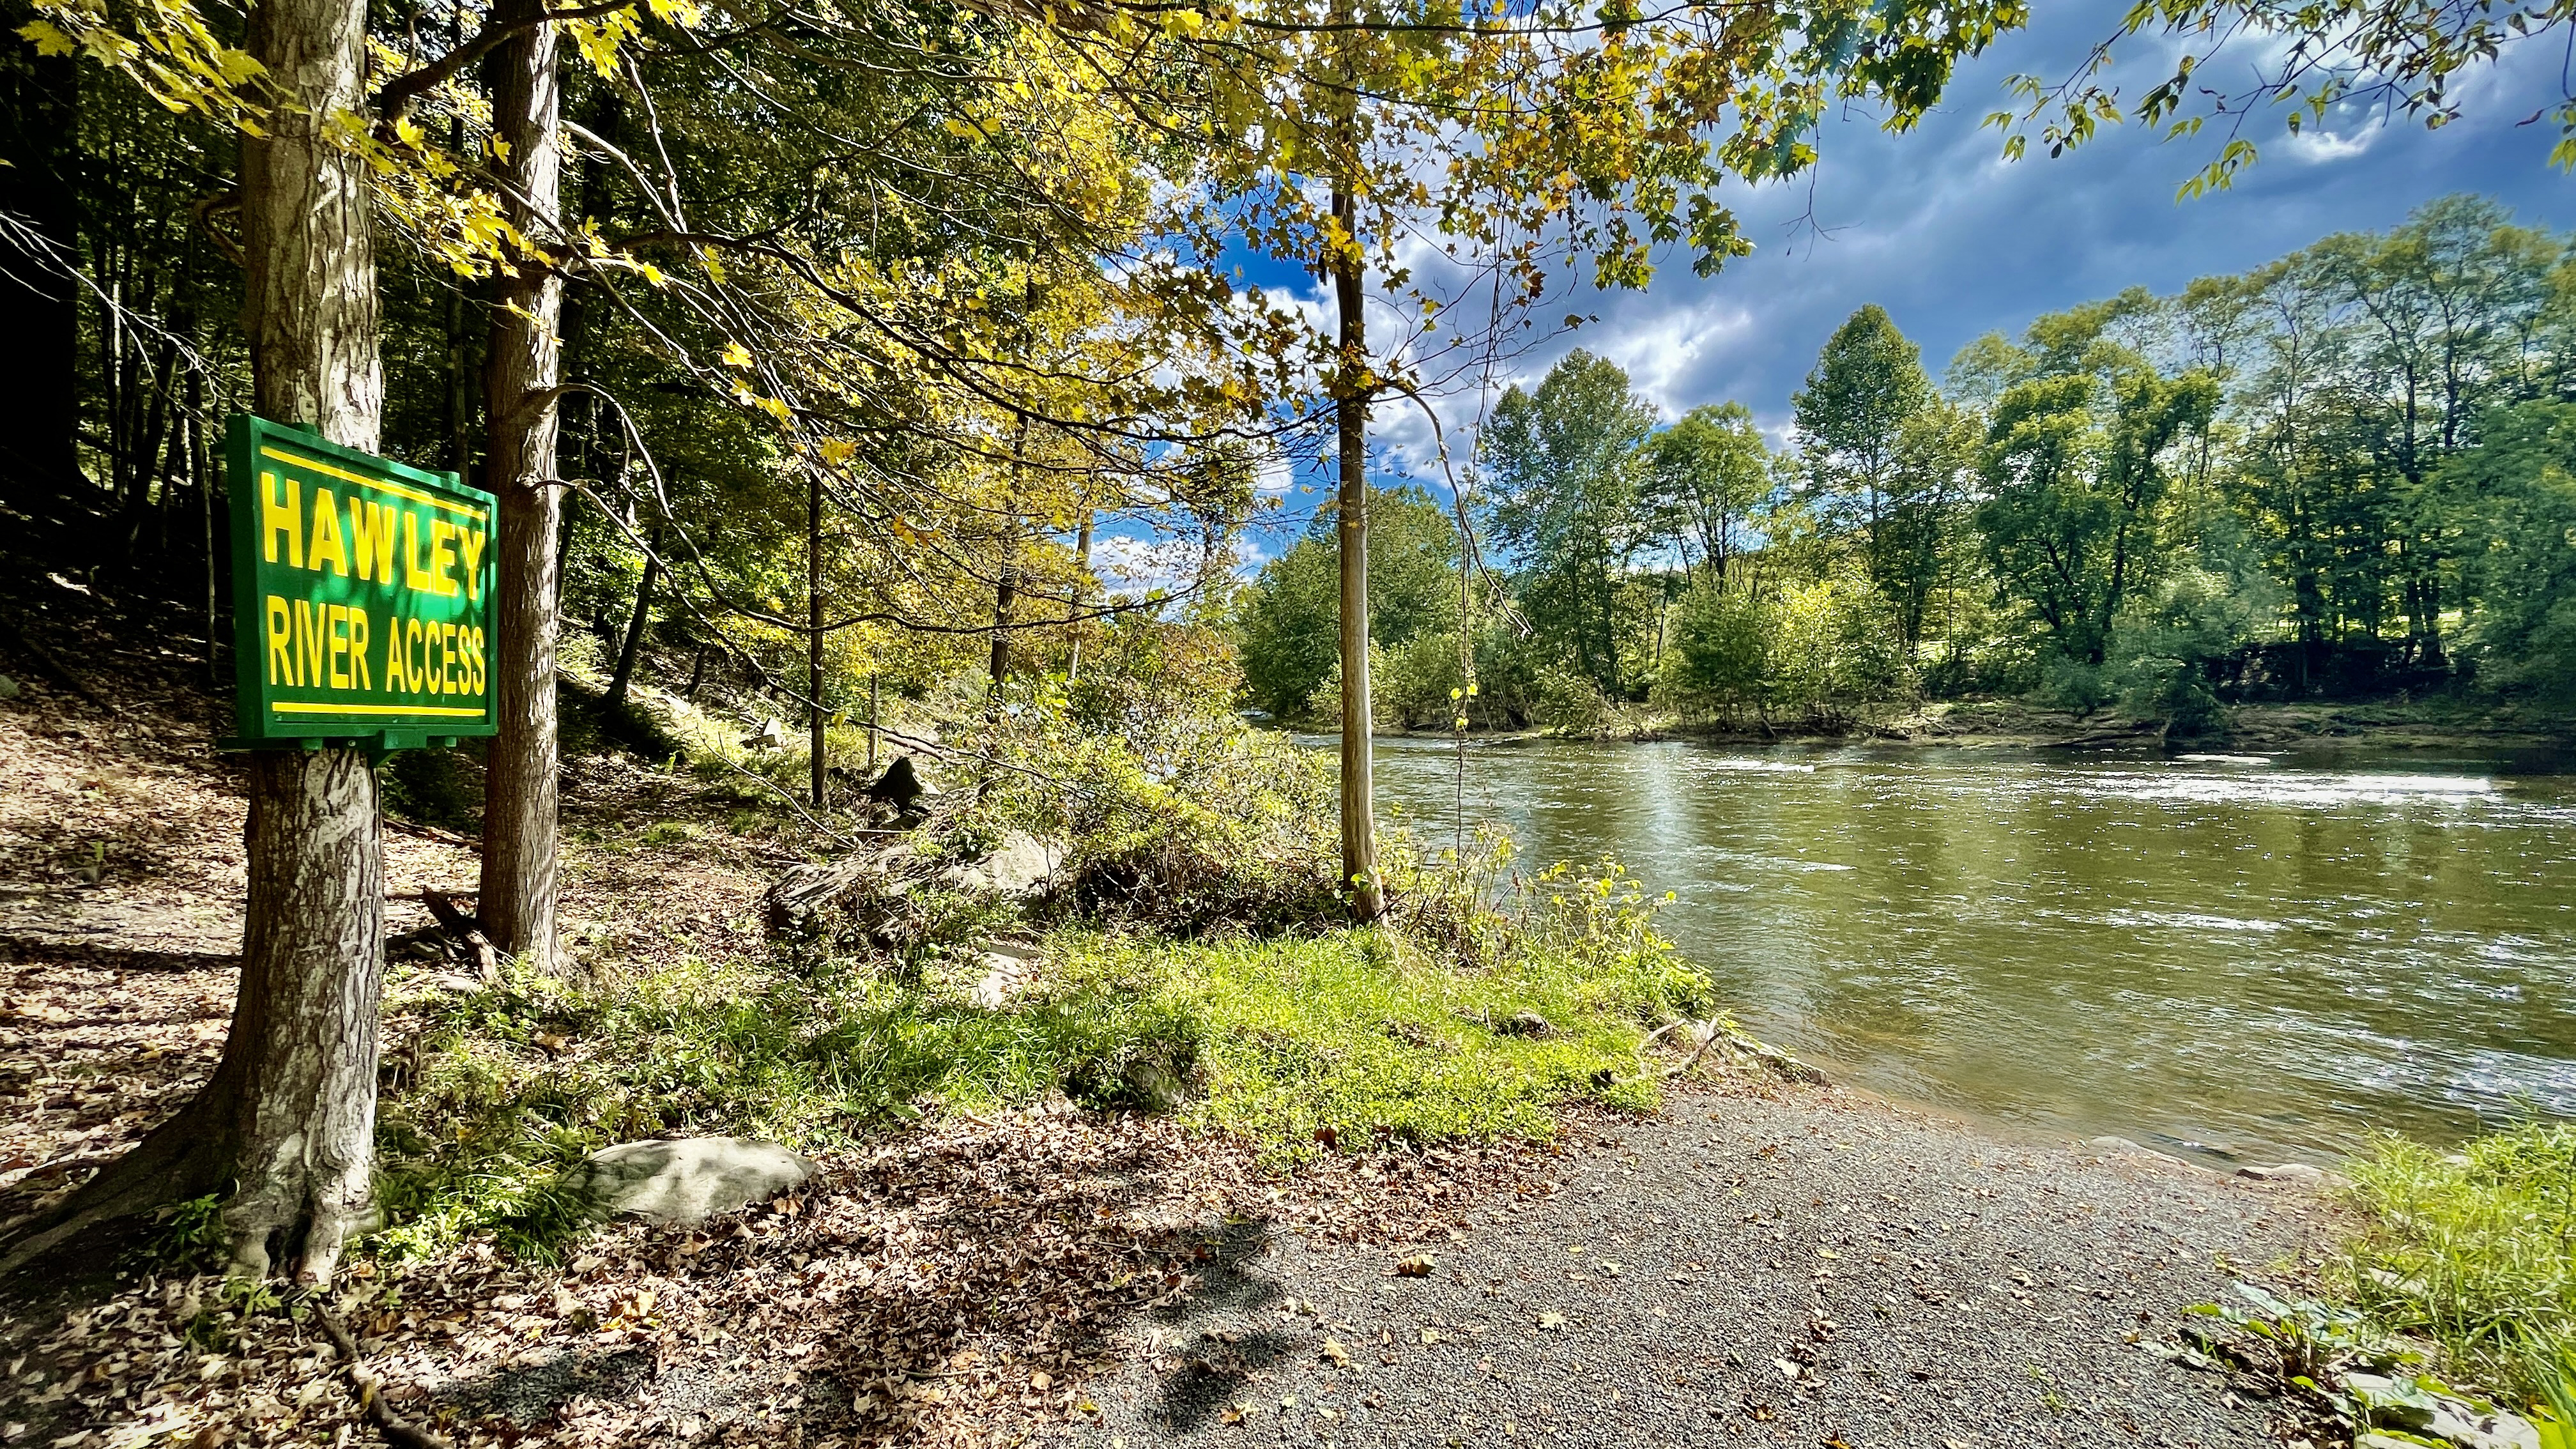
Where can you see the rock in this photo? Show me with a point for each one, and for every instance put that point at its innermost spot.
(901, 786)
(2298, 1172)
(1153, 1085)
(1008, 969)
(2411, 1408)
(1526, 1023)
(1020, 867)
(2459, 1422)
(769, 736)
(687, 1180)
(2123, 1147)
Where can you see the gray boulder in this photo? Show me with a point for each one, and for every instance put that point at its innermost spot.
(687, 1180)
(1021, 866)
(2298, 1172)
(2414, 1409)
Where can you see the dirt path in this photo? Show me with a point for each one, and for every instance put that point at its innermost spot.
(1808, 1268)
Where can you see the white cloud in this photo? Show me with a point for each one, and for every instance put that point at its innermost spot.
(2321, 147)
(1131, 566)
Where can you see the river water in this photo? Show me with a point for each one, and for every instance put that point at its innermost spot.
(2255, 957)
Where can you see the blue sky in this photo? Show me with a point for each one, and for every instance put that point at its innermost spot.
(1954, 241)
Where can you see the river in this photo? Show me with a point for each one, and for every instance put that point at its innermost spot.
(2250, 957)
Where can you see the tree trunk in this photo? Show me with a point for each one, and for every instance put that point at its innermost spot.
(1081, 590)
(816, 776)
(1350, 421)
(1006, 597)
(633, 643)
(287, 1124)
(521, 370)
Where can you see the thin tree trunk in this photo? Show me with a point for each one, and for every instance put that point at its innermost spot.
(286, 1126)
(521, 368)
(1350, 423)
(201, 463)
(1006, 594)
(633, 643)
(1081, 589)
(1006, 589)
(816, 778)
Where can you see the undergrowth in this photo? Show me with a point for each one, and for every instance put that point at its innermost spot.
(1466, 1014)
(2476, 1251)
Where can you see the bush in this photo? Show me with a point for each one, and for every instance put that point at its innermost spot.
(1412, 684)
(2072, 684)
(1175, 812)
(2167, 647)
(2477, 1252)
(1410, 1029)
(1720, 655)
(1571, 704)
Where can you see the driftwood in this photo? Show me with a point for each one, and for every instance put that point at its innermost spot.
(1736, 1043)
(1018, 867)
(2127, 735)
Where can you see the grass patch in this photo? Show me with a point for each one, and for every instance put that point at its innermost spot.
(1422, 1029)
(2477, 1252)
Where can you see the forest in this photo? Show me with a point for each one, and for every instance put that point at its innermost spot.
(871, 975)
(2343, 475)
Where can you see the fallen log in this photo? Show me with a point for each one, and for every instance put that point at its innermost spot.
(465, 937)
(806, 891)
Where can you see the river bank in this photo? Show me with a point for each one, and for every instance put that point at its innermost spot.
(2390, 725)
(977, 1276)
(996, 1237)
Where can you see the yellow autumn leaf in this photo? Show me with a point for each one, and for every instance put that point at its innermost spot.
(46, 39)
(736, 355)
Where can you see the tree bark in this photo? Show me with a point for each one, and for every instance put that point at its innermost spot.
(522, 368)
(1350, 424)
(287, 1123)
(633, 643)
(817, 779)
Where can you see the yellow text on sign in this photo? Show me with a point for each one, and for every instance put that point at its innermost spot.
(314, 644)
(303, 527)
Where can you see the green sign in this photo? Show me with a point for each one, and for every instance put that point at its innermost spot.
(362, 595)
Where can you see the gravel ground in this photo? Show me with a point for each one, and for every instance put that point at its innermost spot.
(1808, 1267)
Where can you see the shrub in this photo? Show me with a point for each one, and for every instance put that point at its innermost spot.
(2477, 1251)
(2166, 646)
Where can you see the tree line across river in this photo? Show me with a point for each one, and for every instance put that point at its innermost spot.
(2344, 473)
